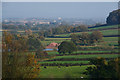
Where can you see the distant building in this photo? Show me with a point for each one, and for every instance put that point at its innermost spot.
(59, 18)
(44, 22)
(52, 46)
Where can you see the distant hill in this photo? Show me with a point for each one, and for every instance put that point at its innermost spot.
(114, 17)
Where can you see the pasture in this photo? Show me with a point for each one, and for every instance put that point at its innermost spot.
(78, 61)
(77, 52)
(88, 56)
(105, 27)
(104, 32)
(63, 72)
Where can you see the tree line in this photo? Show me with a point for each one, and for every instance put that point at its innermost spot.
(82, 39)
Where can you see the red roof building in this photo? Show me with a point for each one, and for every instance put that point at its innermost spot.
(52, 46)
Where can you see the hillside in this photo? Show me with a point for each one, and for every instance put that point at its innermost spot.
(106, 30)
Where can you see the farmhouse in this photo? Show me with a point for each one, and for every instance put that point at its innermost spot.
(52, 46)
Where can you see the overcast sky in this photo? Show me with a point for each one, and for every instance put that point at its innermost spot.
(57, 9)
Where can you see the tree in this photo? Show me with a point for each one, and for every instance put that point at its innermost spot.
(28, 32)
(34, 43)
(66, 46)
(84, 38)
(16, 64)
(41, 54)
(104, 69)
(114, 17)
(96, 36)
(74, 38)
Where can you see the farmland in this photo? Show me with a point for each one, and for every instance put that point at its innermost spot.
(63, 72)
(74, 64)
(104, 32)
(105, 27)
(107, 49)
(60, 40)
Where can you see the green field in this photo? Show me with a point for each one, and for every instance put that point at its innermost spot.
(76, 71)
(110, 38)
(110, 32)
(104, 27)
(104, 32)
(63, 72)
(88, 56)
(55, 52)
(62, 62)
(56, 40)
(106, 40)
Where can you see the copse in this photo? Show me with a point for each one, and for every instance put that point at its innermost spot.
(114, 17)
(34, 43)
(104, 69)
(87, 39)
(96, 36)
(67, 47)
(16, 63)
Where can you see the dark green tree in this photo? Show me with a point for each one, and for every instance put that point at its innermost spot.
(104, 69)
(34, 43)
(66, 47)
(114, 17)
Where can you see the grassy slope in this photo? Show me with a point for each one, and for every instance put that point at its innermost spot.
(55, 52)
(88, 56)
(63, 72)
(59, 40)
(76, 71)
(105, 32)
(105, 27)
(62, 62)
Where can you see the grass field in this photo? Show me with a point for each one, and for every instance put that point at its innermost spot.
(50, 39)
(105, 27)
(88, 56)
(63, 72)
(110, 38)
(76, 71)
(55, 52)
(106, 40)
(56, 40)
(104, 32)
(62, 62)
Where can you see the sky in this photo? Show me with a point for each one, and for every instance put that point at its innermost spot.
(59, 0)
(57, 9)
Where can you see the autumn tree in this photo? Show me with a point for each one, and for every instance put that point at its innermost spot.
(41, 54)
(15, 63)
(86, 39)
(28, 32)
(96, 36)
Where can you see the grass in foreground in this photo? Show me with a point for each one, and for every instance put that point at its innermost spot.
(63, 72)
